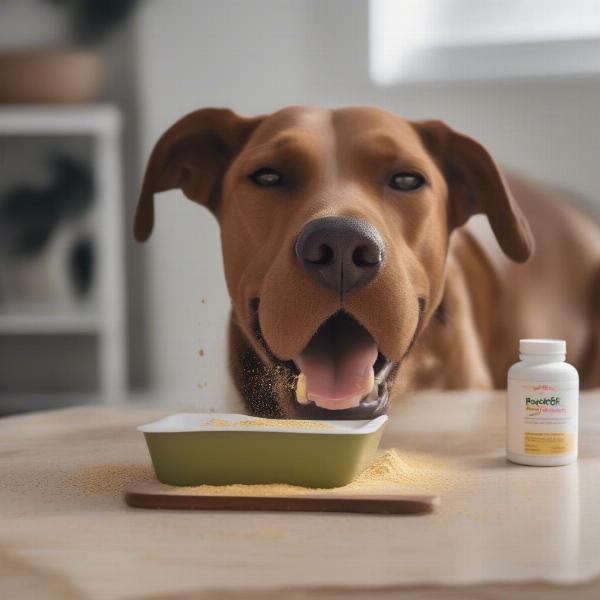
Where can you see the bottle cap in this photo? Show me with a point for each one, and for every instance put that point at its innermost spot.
(542, 346)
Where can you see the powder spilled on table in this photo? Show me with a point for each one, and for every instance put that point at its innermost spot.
(397, 468)
(393, 471)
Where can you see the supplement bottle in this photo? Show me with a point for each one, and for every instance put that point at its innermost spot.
(542, 409)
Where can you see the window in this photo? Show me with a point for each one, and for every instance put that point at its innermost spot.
(436, 40)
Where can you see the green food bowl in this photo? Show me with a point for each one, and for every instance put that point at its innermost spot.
(222, 449)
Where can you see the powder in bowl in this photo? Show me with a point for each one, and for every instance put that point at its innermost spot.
(278, 423)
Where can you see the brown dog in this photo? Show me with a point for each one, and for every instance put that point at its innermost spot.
(349, 265)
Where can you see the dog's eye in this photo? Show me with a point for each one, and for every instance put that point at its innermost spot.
(266, 177)
(406, 181)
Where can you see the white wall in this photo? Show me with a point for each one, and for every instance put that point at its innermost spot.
(258, 55)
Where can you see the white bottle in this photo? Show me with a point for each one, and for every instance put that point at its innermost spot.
(542, 412)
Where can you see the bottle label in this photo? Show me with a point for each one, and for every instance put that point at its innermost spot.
(542, 417)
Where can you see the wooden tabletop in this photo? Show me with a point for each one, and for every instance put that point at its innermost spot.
(501, 529)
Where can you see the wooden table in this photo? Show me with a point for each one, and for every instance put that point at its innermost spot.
(501, 529)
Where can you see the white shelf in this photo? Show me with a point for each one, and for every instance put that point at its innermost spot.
(106, 319)
(59, 120)
(34, 321)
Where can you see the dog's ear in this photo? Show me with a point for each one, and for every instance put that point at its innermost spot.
(476, 185)
(193, 154)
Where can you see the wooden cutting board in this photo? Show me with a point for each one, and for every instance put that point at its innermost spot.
(157, 495)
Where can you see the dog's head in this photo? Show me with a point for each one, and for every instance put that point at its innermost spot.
(335, 227)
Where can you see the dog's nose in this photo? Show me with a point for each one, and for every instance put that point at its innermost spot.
(340, 253)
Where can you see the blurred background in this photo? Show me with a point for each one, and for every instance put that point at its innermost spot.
(86, 88)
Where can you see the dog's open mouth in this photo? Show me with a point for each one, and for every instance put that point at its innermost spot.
(342, 372)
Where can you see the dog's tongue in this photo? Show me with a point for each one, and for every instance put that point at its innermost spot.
(338, 364)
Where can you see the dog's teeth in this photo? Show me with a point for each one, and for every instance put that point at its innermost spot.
(301, 396)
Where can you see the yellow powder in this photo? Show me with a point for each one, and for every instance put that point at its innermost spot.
(397, 468)
(393, 471)
(279, 423)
